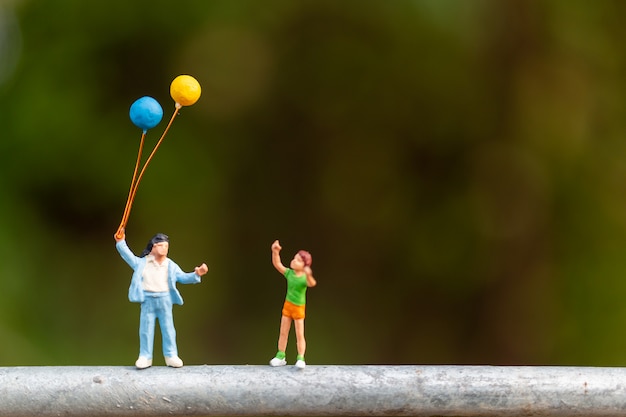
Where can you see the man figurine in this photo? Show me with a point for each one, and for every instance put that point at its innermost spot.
(154, 286)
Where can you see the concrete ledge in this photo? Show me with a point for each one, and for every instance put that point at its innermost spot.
(316, 390)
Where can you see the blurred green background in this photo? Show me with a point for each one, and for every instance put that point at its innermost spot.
(456, 168)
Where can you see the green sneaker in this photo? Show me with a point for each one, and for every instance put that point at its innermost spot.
(279, 359)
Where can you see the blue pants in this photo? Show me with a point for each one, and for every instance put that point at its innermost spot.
(157, 306)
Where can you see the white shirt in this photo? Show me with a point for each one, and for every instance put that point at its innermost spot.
(155, 275)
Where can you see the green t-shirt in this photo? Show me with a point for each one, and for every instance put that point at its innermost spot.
(296, 287)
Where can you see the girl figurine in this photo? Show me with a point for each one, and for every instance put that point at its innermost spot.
(299, 277)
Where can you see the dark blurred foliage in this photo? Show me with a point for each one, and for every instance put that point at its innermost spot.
(456, 168)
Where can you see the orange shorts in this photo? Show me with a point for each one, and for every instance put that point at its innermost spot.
(293, 311)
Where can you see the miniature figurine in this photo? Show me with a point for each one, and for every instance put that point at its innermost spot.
(299, 277)
(153, 284)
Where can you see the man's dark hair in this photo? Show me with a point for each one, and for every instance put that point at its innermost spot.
(159, 237)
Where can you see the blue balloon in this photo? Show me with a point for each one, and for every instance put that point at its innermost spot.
(146, 113)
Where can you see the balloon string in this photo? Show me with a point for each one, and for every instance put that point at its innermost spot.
(120, 229)
(135, 185)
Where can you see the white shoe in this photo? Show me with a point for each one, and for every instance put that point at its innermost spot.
(300, 364)
(278, 362)
(143, 362)
(174, 362)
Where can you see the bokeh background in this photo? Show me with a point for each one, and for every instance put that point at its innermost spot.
(456, 168)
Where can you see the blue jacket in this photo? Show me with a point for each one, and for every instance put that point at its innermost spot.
(174, 274)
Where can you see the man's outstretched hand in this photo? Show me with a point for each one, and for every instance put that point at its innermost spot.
(202, 269)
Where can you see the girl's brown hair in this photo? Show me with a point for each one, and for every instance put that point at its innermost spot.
(306, 257)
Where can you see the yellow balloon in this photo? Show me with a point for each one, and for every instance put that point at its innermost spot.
(185, 90)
